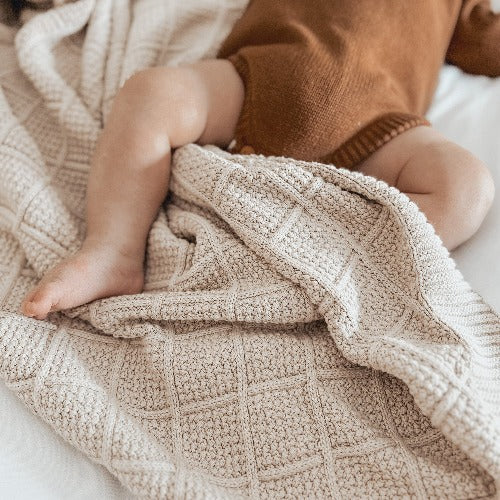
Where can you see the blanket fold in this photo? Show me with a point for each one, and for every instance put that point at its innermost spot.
(302, 333)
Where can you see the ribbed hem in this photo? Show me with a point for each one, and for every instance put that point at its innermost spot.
(372, 137)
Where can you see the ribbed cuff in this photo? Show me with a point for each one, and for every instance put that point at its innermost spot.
(372, 137)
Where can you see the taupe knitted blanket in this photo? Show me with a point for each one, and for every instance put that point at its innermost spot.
(303, 333)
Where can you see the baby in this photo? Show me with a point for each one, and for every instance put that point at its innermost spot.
(334, 81)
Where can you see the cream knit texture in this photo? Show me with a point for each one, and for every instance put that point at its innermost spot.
(302, 334)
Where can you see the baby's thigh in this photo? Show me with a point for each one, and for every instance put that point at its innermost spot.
(225, 93)
(422, 161)
(388, 162)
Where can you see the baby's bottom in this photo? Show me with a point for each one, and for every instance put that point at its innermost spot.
(163, 108)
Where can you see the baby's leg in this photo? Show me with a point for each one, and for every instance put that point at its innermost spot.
(452, 187)
(156, 110)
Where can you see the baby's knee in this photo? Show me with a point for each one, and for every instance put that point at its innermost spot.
(172, 99)
(476, 187)
(484, 185)
(471, 189)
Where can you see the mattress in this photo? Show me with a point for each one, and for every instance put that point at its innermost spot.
(36, 463)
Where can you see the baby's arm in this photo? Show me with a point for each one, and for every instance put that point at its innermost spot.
(157, 110)
(475, 45)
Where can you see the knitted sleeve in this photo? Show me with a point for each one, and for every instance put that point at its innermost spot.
(475, 45)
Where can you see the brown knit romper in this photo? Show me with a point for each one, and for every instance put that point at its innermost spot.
(334, 80)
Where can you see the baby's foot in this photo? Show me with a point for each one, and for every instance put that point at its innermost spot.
(93, 273)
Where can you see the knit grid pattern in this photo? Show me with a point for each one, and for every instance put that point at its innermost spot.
(302, 334)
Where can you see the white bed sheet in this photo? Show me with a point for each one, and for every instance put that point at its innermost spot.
(37, 464)
(466, 109)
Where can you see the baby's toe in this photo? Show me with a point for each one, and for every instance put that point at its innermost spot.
(33, 309)
(41, 301)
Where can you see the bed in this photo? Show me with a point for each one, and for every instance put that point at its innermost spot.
(35, 462)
